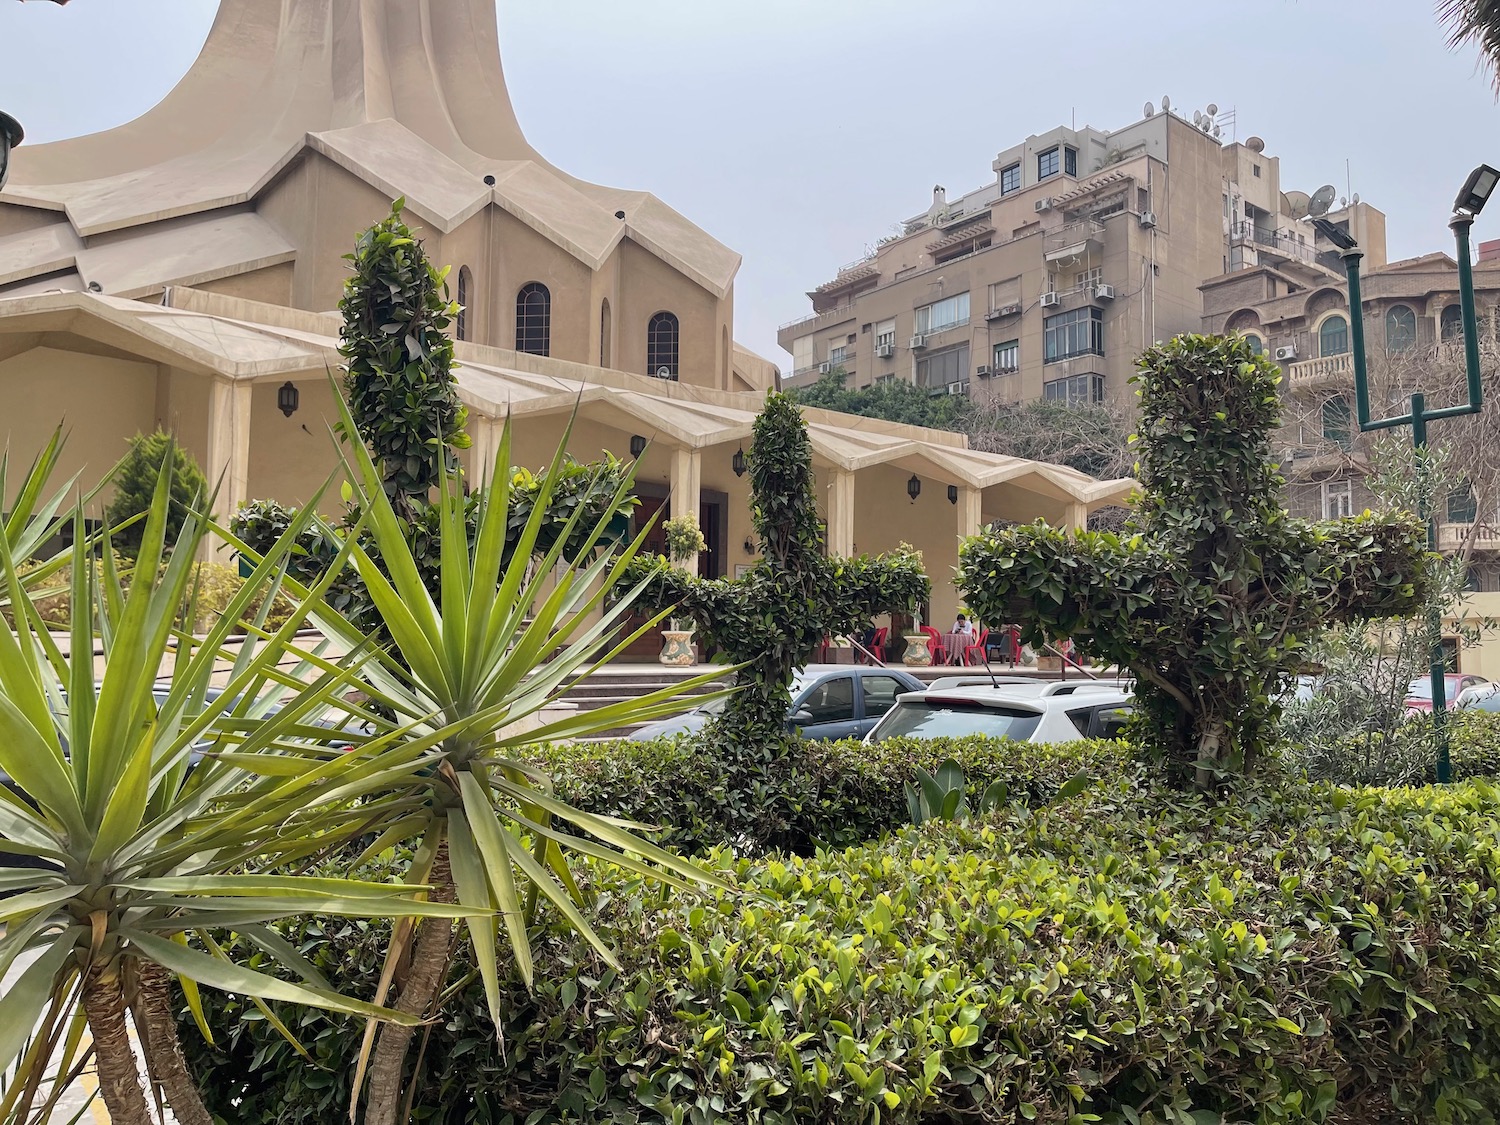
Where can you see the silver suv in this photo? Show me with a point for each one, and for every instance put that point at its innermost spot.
(1035, 712)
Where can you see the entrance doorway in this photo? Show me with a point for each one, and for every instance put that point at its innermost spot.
(713, 510)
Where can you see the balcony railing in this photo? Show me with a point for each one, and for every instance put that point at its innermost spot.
(1329, 367)
(1454, 536)
(1273, 241)
(1074, 240)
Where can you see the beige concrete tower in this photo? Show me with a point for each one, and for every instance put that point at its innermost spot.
(297, 125)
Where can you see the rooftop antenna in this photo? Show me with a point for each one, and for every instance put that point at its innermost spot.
(1321, 201)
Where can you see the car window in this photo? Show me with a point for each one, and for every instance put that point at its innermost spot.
(1111, 721)
(880, 694)
(1080, 718)
(831, 701)
(953, 719)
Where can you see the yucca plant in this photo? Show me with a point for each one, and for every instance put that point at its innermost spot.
(501, 642)
(33, 517)
(151, 836)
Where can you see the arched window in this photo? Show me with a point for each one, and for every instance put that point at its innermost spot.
(1257, 346)
(1400, 328)
(465, 287)
(534, 319)
(1336, 419)
(1451, 325)
(1333, 336)
(661, 346)
(606, 326)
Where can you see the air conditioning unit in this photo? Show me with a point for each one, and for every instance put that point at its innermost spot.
(983, 371)
(824, 368)
(1044, 204)
(885, 351)
(1104, 292)
(1148, 219)
(1050, 300)
(918, 342)
(1287, 352)
(957, 388)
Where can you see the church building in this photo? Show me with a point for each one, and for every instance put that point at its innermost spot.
(183, 271)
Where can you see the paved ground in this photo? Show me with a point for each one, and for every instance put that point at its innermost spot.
(80, 1102)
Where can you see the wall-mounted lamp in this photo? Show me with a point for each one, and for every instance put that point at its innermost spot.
(953, 494)
(749, 545)
(637, 445)
(288, 398)
(489, 181)
(738, 463)
(11, 134)
(914, 487)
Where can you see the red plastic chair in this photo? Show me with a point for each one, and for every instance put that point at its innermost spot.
(935, 645)
(877, 644)
(977, 646)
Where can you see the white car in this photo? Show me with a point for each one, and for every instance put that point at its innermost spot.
(1035, 712)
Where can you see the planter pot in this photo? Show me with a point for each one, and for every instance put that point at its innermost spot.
(677, 648)
(917, 654)
(1049, 663)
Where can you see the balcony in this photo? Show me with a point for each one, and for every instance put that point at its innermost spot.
(1455, 536)
(1311, 373)
(1273, 243)
(1075, 241)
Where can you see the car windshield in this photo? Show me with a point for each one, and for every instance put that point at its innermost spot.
(1422, 688)
(946, 718)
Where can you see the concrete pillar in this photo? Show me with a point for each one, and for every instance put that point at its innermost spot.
(228, 464)
(970, 518)
(687, 481)
(485, 434)
(841, 514)
(1078, 517)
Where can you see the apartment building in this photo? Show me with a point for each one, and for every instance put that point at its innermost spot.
(1047, 282)
(1298, 314)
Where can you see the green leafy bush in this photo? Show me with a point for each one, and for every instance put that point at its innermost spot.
(819, 794)
(135, 482)
(1307, 954)
(1404, 754)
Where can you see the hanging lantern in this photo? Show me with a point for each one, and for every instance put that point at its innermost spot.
(738, 463)
(953, 494)
(914, 487)
(288, 398)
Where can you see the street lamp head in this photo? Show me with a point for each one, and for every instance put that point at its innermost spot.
(1477, 189)
(11, 135)
(1335, 234)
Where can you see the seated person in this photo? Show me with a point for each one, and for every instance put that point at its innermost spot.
(963, 626)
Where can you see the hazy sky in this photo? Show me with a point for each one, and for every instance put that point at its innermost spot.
(798, 131)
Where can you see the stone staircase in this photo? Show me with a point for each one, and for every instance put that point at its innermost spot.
(623, 682)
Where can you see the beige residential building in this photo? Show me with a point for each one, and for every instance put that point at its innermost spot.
(181, 271)
(1087, 247)
(1298, 314)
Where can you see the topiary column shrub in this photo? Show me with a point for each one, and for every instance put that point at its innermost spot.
(1213, 592)
(135, 483)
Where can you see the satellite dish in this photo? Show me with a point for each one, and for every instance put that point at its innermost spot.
(1255, 144)
(1354, 199)
(1197, 117)
(1217, 131)
(1206, 124)
(1150, 110)
(1296, 203)
(1321, 200)
(1213, 110)
(663, 372)
(1343, 202)
(1166, 103)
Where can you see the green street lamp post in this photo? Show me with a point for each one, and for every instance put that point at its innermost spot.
(1471, 200)
(11, 135)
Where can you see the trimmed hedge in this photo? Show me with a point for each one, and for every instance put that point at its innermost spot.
(1293, 954)
(822, 794)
